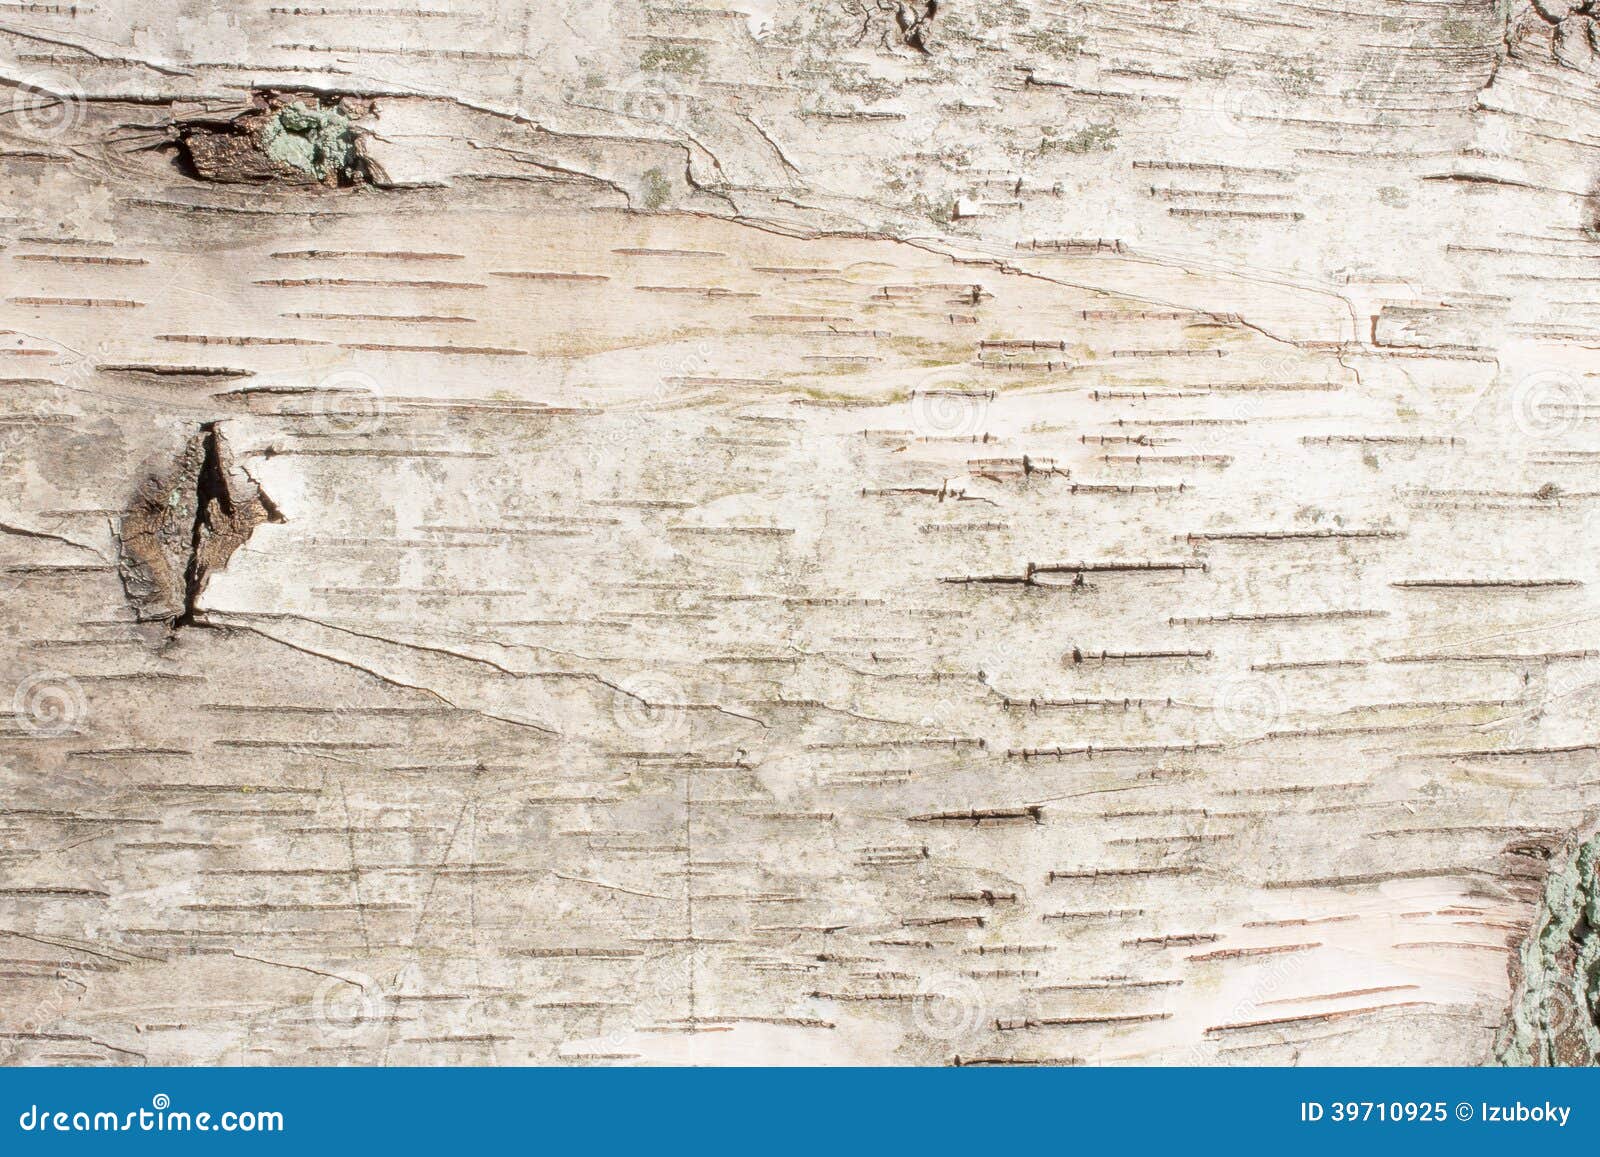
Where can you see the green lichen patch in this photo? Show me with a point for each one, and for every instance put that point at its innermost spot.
(682, 58)
(1058, 43)
(288, 138)
(657, 189)
(319, 141)
(1556, 973)
(1094, 138)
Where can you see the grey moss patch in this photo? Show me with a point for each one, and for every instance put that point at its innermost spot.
(1556, 973)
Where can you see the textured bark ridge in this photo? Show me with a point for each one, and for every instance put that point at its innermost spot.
(185, 525)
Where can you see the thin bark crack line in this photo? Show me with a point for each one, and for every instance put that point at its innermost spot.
(389, 679)
(443, 651)
(26, 532)
(433, 880)
(1006, 266)
(124, 957)
(611, 887)
(787, 164)
(298, 968)
(553, 167)
(355, 867)
(490, 663)
(104, 58)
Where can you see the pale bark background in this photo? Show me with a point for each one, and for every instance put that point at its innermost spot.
(605, 695)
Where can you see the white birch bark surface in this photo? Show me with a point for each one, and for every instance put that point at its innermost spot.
(792, 533)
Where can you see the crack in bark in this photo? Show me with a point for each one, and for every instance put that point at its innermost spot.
(183, 527)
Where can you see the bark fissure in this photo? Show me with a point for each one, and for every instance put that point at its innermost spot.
(184, 526)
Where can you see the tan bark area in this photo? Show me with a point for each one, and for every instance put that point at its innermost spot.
(791, 534)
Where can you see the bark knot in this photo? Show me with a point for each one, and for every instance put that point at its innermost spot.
(282, 138)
